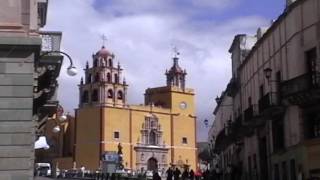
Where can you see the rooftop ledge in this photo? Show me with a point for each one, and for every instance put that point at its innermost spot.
(171, 89)
(32, 41)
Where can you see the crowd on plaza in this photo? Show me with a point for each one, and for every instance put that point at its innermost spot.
(176, 174)
(172, 173)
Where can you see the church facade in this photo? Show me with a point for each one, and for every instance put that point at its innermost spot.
(153, 136)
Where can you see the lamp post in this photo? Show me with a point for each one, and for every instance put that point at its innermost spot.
(206, 123)
(59, 120)
(268, 73)
(71, 70)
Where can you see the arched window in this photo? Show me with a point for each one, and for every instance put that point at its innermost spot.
(152, 138)
(116, 78)
(110, 93)
(109, 77)
(97, 77)
(104, 63)
(95, 63)
(110, 63)
(85, 97)
(120, 95)
(153, 124)
(95, 95)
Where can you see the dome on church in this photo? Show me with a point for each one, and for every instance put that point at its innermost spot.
(103, 52)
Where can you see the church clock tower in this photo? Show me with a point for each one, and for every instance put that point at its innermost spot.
(102, 85)
(175, 95)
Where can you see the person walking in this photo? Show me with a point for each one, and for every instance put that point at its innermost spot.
(191, 175)
(156, 176)
(198, 174)
(169, 173)
(82, 170)
(176, 174)
(185, 174)
(206, 175)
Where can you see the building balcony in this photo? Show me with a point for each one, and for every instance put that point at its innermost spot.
(251, 113)
(301, 90)
(269, 104)
(51, 40)
(151, 146)
(238, 128)
(221, 142)
(238, 118)
(47, 70)
(232, 134)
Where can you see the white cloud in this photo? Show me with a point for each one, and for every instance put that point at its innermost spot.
(141, 41)
(216, 4)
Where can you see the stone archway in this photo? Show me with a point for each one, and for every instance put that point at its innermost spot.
(152, 164)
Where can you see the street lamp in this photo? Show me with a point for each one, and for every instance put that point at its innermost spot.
(60, 118)
(206, 122)
(71, 70)
(267, 73)
(63, 118)
(56, 129)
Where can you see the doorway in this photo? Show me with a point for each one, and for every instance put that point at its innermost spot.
(263, 158)
(152, 164)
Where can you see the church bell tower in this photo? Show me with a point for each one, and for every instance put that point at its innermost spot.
(176, 76)
(102, 85)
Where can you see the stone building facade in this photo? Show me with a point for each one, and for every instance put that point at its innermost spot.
(20, 46)
(27, 85)
(274, 127)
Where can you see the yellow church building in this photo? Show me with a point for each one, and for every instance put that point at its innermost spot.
(154, 136)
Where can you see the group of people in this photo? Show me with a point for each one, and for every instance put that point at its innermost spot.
(175, 174)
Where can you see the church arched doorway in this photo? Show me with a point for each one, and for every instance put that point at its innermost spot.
(152, 164)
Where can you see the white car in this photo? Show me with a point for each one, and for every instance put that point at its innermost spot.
(43, 169)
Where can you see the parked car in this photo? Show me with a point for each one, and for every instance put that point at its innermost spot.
(43, 169)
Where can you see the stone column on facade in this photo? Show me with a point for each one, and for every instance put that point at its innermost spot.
(16, 94)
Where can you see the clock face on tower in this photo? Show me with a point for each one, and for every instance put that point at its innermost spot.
(183, 105)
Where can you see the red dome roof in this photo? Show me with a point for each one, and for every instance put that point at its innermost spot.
(103, 52)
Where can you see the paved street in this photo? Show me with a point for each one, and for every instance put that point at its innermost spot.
(46, 178)
(42, 178)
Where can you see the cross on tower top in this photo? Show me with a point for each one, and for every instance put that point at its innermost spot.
(104, 39)
(176, 51)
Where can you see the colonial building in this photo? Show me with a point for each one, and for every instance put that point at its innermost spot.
(154, 135)
(273, 129)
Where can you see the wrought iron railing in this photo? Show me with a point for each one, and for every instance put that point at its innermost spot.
(51, 41)
(251, 112)
(267, 101)
(238, 118)
(300, 84)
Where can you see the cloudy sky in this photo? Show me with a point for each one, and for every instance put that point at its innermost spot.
(141, 33)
